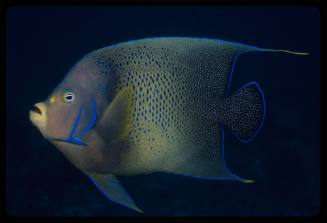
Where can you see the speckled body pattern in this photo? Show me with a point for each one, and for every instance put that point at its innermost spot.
(179, 84)
(152, 105)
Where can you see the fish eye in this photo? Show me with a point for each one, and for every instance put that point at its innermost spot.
(69, 96)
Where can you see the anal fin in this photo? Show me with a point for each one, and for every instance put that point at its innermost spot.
(110, 186)
(207, 159)
(204, 158)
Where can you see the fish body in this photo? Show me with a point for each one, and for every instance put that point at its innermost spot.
(151, 105)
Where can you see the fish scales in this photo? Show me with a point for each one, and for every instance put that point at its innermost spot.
(171, 78)
(152, 105)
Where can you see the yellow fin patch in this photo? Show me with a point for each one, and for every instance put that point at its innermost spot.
(116, 121)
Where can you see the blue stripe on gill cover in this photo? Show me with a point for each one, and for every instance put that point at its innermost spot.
(93, 120)
(71, 138)
(77, 139)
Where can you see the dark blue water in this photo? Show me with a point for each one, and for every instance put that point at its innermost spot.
(44, 42)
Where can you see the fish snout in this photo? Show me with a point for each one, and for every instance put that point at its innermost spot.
(38, 115)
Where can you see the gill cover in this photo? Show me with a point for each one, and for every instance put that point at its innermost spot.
(75, 136)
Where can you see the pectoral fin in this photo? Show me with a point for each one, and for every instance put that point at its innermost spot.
(110, 186)
(116, 121)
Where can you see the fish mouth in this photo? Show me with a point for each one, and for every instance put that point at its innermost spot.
(38, 115)
(36, 109)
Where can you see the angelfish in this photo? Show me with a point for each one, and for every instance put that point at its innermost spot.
(152, 105)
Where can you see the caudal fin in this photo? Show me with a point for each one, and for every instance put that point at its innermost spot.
(244, 111)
